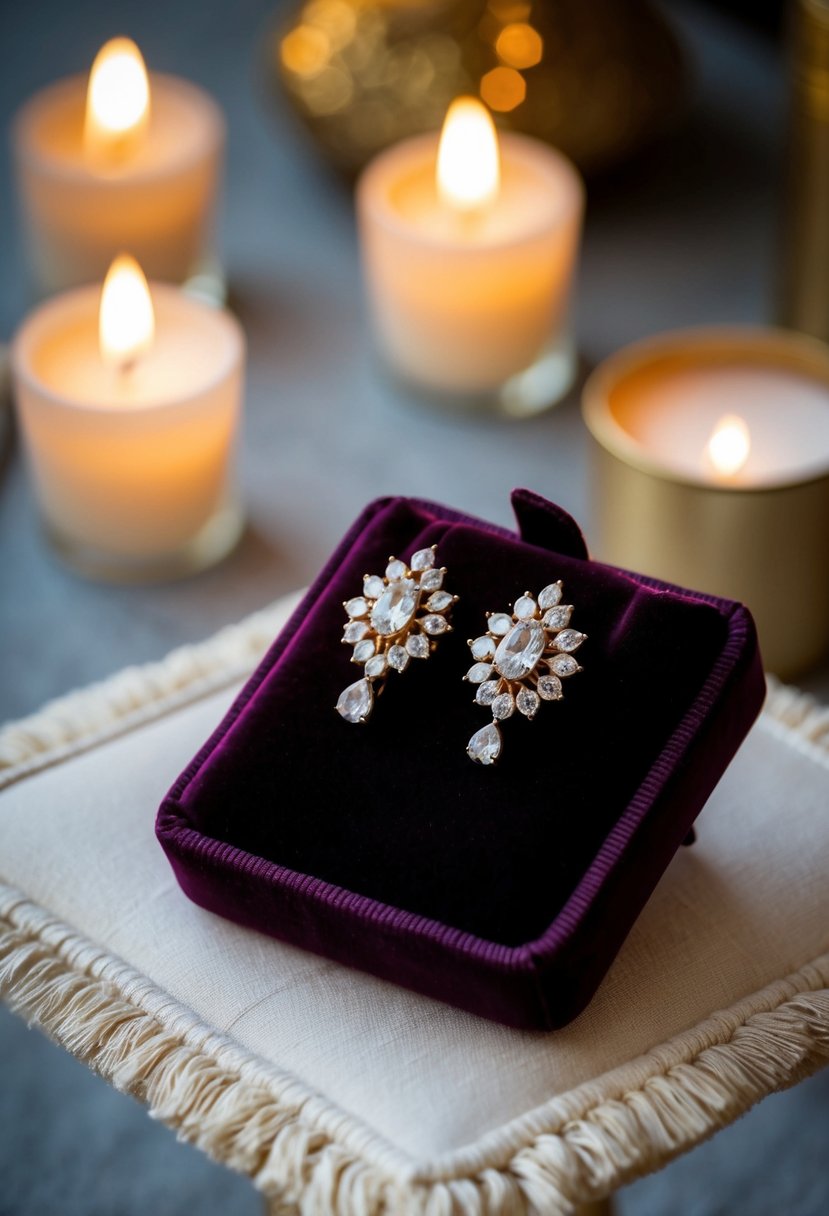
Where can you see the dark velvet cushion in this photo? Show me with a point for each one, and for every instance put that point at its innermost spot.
(506, 890)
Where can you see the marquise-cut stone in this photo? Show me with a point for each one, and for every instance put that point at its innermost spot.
(503, 705)
(487, 692)
(568, 640)
(483, 647)
(373, 586)
(357, 606)
(431, 580)
(564, 665)
(525, 607)
(363, 651)
(520, 650)
(356, 702)
(485, 745)
(557, 618)
(549, 688)
(395, 607)
(527, 702)
(398, 658)
(395, 569)
(479, 672)
(376, 666)
(550, 595)
(424, 559)
(418, 646)
(500, 623)
(354, 631)
(435, 624)
(439, 601)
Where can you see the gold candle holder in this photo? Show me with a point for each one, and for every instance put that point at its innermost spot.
(758, 534)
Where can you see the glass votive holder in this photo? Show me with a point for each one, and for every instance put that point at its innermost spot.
(132, 467)
(472, 310)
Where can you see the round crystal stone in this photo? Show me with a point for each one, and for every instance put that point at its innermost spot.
(482, 648)
(418, 646)
(486, 692)
(569, 639)
(525, 607)
(564, 665)
(357, 606)
(373, 586)
(431, 580)
(479, 672)
(398, 658)
(395, 569)
(550, 596)
(557, 618)
(354, 631)
(520, 650)
(376, 666)
(395, 607)
(549, 688)
(499, 623)
(527, 702)
(485, 745)
(439, 601)
(435, 624)
(424, 559)
(356, 702)
(503, 705)
(363, 651)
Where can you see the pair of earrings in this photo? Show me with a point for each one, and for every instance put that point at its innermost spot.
(520, 660)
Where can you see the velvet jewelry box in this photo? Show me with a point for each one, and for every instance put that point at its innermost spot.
(507, 889)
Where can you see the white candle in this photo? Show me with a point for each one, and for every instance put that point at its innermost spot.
(128, 406)
(103, 165)
(468, 259)
(672, 415)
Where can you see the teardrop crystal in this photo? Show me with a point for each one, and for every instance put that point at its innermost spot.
(356, 702)
(485, 745)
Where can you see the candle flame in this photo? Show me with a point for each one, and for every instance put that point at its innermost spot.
(729, 445)
(117, 100)
(468, 168)
(126, 323)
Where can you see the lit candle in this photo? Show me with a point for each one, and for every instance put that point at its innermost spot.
(469, 246)
(712, 471)
(128, 401)
(118, 161)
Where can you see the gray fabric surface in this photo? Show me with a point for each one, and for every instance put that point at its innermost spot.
(684, 236)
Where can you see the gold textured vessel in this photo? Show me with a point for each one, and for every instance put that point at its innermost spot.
(595, 80)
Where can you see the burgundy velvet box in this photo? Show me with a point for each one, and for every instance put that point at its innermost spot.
(505, 890)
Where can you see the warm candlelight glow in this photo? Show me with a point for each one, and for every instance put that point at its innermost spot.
(126, 323)
(117, 101)
(729, 445)
(468, 169)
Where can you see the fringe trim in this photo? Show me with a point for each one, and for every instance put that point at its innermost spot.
(299, 1150)
(91, 715)
(801, 713)
(304, 1154)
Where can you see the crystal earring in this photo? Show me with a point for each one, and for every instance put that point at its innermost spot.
(520, 662)
(397, 618)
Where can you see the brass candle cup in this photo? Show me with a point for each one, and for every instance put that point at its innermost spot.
(765, 544)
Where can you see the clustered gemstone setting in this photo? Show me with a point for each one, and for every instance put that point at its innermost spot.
(398, 617)
(521, 661)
